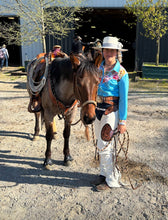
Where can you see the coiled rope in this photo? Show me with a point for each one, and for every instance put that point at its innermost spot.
(36, 87)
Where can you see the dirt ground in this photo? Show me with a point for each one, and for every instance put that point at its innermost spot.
(29, 192)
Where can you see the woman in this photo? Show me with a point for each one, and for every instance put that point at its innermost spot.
(111, 111)
(1, 58)
(6, 55)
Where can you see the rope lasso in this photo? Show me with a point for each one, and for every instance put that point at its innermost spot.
(36, 87)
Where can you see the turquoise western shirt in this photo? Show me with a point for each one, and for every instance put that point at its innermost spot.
(115, 83)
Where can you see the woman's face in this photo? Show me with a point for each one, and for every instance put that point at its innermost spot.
(109, 54)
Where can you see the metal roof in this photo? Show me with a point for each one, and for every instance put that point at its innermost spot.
(94, 3)
(106, 3)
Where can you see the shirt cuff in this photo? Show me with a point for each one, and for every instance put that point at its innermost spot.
(122, 122)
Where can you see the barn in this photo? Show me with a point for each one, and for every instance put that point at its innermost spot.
(107, 18)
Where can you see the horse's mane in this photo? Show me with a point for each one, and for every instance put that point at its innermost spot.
(88, 65)
(61, 67)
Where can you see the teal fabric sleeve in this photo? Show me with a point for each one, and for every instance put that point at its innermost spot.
(123, 97)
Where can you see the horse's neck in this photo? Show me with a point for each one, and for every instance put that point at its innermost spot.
(62, 80)
(65, 92)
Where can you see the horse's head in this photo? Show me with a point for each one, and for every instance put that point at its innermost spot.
(86, 80)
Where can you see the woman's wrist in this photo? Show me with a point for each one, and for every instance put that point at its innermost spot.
(122, 122)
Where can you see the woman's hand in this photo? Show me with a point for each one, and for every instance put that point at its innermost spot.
(122, 128)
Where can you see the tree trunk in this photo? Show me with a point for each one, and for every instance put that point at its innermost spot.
(44, 44)
(43, 26)
(158, 51)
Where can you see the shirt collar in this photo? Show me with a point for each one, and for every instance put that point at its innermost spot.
(116, 67)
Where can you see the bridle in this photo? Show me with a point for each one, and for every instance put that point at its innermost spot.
(77, 94)
(89, 102)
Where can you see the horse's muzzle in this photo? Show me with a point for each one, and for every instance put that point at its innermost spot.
(87, 120)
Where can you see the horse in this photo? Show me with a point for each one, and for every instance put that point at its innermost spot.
(91, 53)
(70, 82)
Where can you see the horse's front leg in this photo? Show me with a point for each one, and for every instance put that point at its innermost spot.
(37, 127)
(54, 129)
(66, 134)
(49, 137)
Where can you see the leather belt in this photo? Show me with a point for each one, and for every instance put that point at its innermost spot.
(109, 99)
(110, 109)
(112, 100)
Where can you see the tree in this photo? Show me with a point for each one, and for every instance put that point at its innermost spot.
(39, 18)
(154, 18)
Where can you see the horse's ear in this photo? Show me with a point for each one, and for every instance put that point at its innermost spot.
(98, 58)
(74, 60)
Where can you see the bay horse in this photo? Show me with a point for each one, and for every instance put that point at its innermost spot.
(70, 81)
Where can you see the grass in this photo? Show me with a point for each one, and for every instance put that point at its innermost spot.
(139, 85)
(11, 74)
(154, 65)
(161, 86)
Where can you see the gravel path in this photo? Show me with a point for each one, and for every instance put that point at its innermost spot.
(28, 192)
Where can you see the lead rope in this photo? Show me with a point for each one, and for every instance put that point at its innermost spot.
(125, 151)
(95, 144)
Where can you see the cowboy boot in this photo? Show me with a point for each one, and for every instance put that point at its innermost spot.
(99, 180)
(102, 187)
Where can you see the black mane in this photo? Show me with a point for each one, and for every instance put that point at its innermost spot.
(61, 68)
(87, 65)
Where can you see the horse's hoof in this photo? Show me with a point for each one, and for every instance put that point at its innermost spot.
(68, 160)
(35, 138)
(47, 167)
(67, 163)
(47, 164)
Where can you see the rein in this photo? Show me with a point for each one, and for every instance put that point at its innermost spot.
(85, 103)
(60, 106)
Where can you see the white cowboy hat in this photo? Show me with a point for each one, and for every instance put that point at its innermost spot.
(112, 43)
